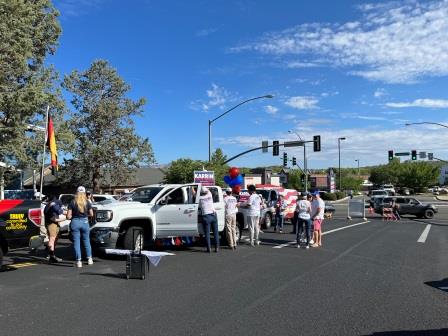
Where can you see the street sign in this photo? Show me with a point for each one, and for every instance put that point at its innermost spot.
(265, 145)
(207, 178)
(422, 155)
(293, 143)
(402, 154)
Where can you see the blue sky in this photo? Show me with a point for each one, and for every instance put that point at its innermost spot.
(353, 69)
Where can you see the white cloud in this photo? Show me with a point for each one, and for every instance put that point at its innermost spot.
(379, 93)
(76, 7)
(298, 65)
(205, 32)
(396, 42)
(371, 118)
(271, 109)
(302, 102)
(427, 103)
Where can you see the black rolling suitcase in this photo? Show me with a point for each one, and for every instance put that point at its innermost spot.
(136, 262)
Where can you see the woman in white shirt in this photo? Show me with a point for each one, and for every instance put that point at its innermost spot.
(304, 219)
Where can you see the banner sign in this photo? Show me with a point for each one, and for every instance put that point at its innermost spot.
(206, 178)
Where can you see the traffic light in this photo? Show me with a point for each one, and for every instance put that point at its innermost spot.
(316, 143)
(414, 155)
(294, 161)
(275, 148)
(391, 155)
(285, 159)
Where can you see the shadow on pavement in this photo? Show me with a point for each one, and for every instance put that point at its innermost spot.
(107, 275)
(432, 332)
(441, 285)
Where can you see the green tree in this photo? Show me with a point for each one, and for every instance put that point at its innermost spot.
(294, 179)
(181, 170)
(105, 140)
(29, 31)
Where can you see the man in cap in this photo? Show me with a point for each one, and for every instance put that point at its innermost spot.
(317, 216)
(208, 217)
(231, 207)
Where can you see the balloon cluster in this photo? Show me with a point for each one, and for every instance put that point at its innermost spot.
(234, 179)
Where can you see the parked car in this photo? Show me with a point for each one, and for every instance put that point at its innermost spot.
(161, 210)
(389, 187)
(20, 224)
(380, 193)
(409, 206)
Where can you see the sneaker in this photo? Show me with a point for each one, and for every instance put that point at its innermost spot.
(78, 264)
(281, 231)
(314, 245)
(307, 247)
(298, 245)
(54, 260)
(89, 261)
(311, 242)
(258, 242)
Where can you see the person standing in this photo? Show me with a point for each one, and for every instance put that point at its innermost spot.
(395, 209)
(78, 211)
(303, 210)
(254, 206)
(52, 215)
(280, 207)
(317, 210)
(209, 219)
(231, 209)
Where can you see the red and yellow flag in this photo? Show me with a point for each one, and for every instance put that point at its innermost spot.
(51, 143)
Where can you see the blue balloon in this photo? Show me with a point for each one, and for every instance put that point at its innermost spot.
(233, 183)
(227, 179)
(239, 179)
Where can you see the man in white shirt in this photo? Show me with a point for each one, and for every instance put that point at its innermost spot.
(254, 205)
(317, 216)
(209, 219)
(303, 209)
(231, 207)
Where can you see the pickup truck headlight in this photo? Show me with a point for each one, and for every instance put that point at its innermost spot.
(104, 215)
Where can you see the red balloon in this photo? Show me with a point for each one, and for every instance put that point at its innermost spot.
(236, 189)
(234, 172)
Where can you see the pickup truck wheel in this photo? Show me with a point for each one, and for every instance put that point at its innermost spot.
(267, 221)
(133, 241)
(429, 214)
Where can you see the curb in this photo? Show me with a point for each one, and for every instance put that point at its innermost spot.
(439, 199)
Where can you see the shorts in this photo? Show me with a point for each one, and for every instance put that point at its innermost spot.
(317, 224)
(53, 229)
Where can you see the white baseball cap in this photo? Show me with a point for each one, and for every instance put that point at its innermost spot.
(81, 189)
(228, 189)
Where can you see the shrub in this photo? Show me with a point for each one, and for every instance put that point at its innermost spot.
(340, 194)
(329, 196)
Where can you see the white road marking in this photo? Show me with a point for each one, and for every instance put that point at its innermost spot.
(325, 233)
(443, 288)
(424, 234)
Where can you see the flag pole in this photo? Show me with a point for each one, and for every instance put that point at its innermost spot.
(43, 154)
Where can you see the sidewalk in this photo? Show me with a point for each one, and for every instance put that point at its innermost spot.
(442, 198)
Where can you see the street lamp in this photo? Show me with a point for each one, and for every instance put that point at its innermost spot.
(305, 168)
(339, 150)
(426, 122)
(223, 114)
(357, 160)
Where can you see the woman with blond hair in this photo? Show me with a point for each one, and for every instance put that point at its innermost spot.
(78, 211)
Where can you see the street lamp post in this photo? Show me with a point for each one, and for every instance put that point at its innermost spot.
(223, 114)
(357, 160)
(339, 151)
(426, 122)
(305, 164)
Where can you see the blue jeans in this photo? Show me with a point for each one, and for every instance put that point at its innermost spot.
(81, 231)
(279, 221)
(300, 223)
(207, 222)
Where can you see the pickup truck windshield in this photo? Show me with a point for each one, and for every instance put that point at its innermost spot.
(145, 194)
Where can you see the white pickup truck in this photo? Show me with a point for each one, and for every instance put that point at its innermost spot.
(161, 210)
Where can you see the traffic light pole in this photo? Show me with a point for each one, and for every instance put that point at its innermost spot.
(291, 144)
(305, 167)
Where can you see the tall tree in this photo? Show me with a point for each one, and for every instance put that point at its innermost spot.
(217, 165)
(106, 144)
(29, 31)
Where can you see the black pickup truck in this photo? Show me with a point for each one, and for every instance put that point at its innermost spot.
(20, 220)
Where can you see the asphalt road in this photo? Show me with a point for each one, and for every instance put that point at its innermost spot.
(374, 278)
